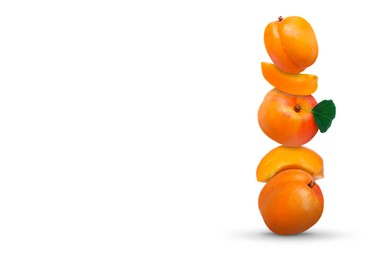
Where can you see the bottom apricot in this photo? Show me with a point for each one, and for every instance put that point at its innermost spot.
(291, 202)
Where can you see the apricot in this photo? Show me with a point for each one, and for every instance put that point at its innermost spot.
(295, 84)
(287, 119)
(283, 158)
(291, 202)
(291, 44)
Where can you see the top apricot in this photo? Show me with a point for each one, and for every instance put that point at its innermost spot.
(291, 44)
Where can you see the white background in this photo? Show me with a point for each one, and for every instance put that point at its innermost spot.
(128, 130)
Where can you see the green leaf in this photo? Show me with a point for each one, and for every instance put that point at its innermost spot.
(324, 113)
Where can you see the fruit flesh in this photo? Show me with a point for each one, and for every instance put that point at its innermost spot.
(295, 84)
(283, 158)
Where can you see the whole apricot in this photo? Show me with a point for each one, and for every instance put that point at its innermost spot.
(287, 119)
(291, 44)
(291, 202)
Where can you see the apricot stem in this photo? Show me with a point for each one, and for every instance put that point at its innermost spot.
(311, 183)
(280, 18)
(297, 108)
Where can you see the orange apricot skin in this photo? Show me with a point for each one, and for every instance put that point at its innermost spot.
(291, 44)
(280, 121)
(291, 202)
(295, 84)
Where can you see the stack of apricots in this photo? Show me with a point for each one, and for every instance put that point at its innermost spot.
(291, 201)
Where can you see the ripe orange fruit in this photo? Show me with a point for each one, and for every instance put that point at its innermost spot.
(291, 44)
(291, 202)
(287, 119)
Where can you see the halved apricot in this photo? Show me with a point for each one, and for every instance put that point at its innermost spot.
(295, 84)
(284, 158)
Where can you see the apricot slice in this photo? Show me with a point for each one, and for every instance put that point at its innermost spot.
(284, 158)
(295, 84)
(291, 44)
